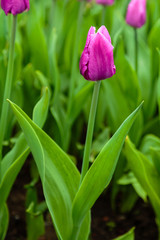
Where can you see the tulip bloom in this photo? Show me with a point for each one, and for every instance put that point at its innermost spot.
(105, 2)
(15, 6)
(136, 13)
(96, 61)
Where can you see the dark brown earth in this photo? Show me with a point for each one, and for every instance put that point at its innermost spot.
(106, 224)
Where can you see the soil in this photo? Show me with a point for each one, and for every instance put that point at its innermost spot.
(106, 224)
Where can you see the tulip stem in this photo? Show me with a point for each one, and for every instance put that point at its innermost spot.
(91, 121)
(103, 15)
(136, 50)
(8, 85)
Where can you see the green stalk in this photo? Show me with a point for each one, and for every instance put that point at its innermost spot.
(8, 85)
(136, 50)
(87, 149)
(103, 15)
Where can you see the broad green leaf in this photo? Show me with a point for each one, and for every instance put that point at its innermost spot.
(101, 171)
(60, 177)
(150, 146)
(10, 176)
(11, 166)
(4, 220)
(39, 116)
(19, 148)
(127, 236)
(146, 174)
(131, 179)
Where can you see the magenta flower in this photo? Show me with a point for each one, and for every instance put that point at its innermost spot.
(105, 2)
(136, 13)
(14, 6)
(96, 61)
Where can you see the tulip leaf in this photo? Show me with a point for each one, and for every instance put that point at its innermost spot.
(158, 84)
(101, 171)
(14, 160)
(41, 109)
(60, 177)
(146, 174)
(10, 176)
(37, 42)
(79, 101)
(127, 236)
(4, 220)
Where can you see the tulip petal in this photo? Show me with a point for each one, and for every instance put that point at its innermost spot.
(14, 7)
(105, 32)
(105, 2)
(83, 63)
(101, 64)
(85, 55)
(90, 35)
(97, 61)
(6, 6)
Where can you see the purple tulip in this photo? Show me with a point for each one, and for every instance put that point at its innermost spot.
(96, 61)
(136, 13)
(105, 2)
(15, 6)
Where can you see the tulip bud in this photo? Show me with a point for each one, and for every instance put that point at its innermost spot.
(136, 13)
(105, 2)
(96, 61)
(15, 6)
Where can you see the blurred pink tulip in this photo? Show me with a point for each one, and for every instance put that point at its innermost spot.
(105, 2)
(15, 6)
(136, 13)
(97, 61)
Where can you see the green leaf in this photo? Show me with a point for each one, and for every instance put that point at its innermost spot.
(101, 171)
(10, 176)
(4, 220)
(79, 101)
(153, 40)
(37, 42)
(158, 85)
(14, 160)
(131, 179)
(34, 217)
(127, 236)
(150, 146)
(60, 177)
(41, 109)
(146, 174)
